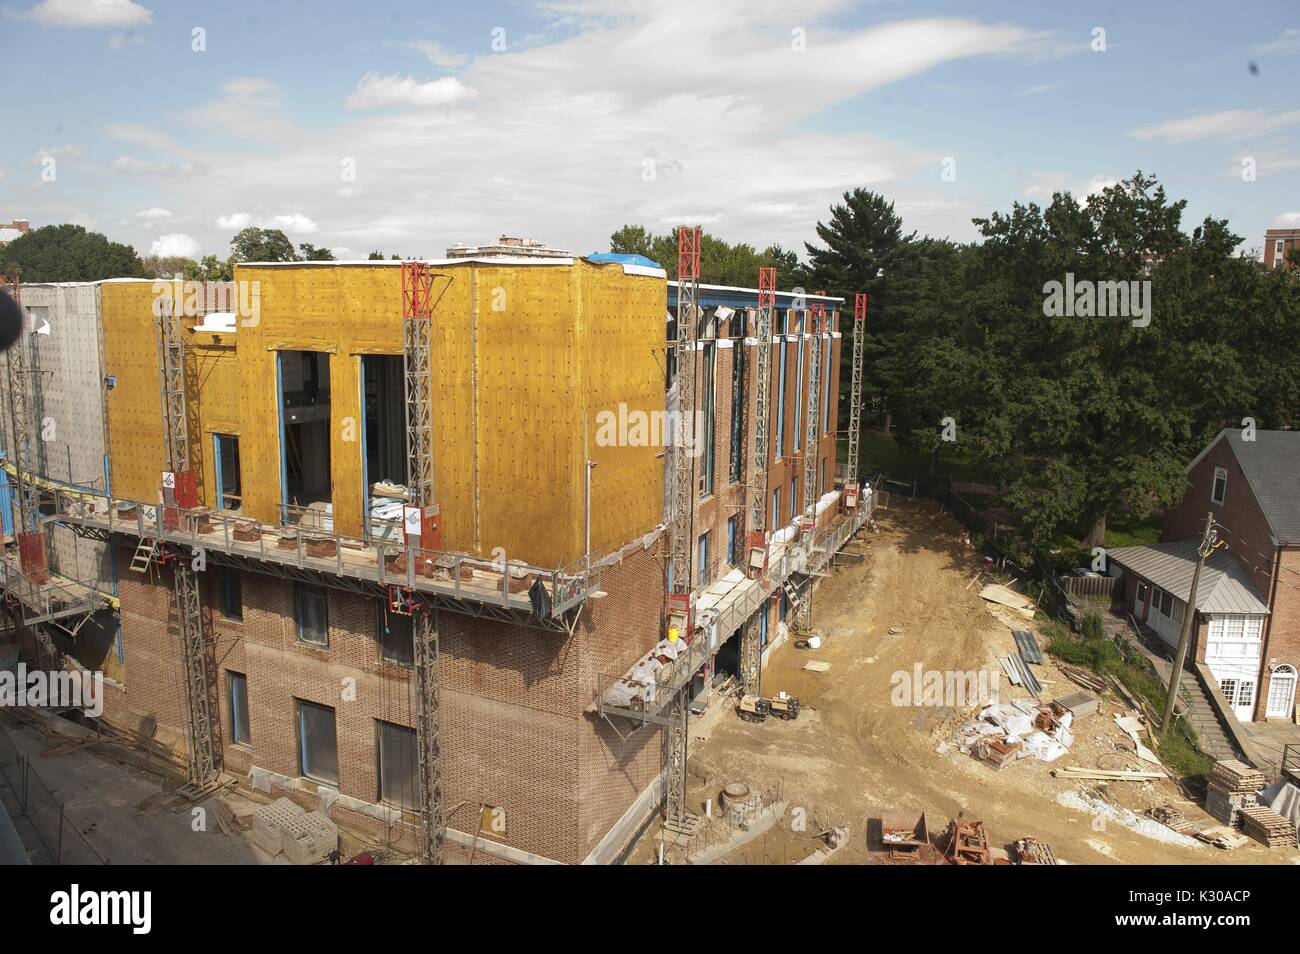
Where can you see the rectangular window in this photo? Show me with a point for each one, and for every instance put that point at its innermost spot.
(237, 689)
(318, 754)
(312, 607)
(821, 478)
(710, 407)
(732, 557)
(398, 782)
(780, 399)
(737, 411)
(703, 572)
(396, 637)
(304, 384)
(226, 461)
(776, 509)
(794, 497)
(1141, 597)
(231, 592)
(1220, 489)
(829, 343)
(798, 394)
(762, 630)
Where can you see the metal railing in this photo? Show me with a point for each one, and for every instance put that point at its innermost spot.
(49, 836)
(650, 695)
(387, 563)
(51, 600)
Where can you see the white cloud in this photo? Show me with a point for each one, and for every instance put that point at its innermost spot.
(120, 40)
(381, 92)
(1287, 220)
(57, 152)
(1224, 126)
(91, 13)
(1042, 186)
(439, 55)
(1097, 185)
(1288, 42)
(696, 111)
(154, 213)
(296, 223)
(175, 243)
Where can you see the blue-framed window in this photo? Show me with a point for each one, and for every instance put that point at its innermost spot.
(737, 450)
(710, 396)
(780, 399)
(237, 696)
(762, 626)
(318, 752)
(776, 508)
(798, 387)
(703, 573)
(826, 393)
(733, 558)
(226, 462)
(794, 496)
(398, 757)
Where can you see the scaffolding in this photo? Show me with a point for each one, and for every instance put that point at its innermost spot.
(179, 492)
(681, 539)
(852, 485)
(751, 669)
(417, 317)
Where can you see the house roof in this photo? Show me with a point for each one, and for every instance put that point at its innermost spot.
(1271, 464)
(1224, 586)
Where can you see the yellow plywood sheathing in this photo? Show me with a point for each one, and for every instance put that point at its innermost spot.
(526, 359)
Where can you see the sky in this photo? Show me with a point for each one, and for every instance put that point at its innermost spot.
(409, 127)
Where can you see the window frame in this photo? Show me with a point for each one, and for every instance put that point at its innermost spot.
(1217, 497)
(302, 706)
(233, 703)
(302, 592)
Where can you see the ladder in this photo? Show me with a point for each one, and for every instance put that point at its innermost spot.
(792, 594)
(145, 551)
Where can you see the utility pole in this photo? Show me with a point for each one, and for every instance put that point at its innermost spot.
(1209, 543)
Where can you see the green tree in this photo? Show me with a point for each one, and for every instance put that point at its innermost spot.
(262, 245)
(314, 253)
(210, 268)
(68, 253)
(165, 266)
(721, 263)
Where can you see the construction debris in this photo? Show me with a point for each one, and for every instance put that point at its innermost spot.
(1267, 827)
(1078, 704)
(1031, 851)
(815, 666)
(968, 844)
(1018, 672)
(905, 836)
(1014, 601)
(1132, 726)
(1107, 775)
(1012, 730)
(1028, 647)
(1220, 836)
(1172, 817)
(1083, 677)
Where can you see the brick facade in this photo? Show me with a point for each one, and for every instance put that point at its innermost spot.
(517, 735)
(1274, 570)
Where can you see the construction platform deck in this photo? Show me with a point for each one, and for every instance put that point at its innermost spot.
(452, 578)
(58, 598)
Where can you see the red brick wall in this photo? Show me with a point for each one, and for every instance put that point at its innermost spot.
(1250, 540)
(515, 728)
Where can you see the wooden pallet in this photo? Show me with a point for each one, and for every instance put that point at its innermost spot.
(1267, 826)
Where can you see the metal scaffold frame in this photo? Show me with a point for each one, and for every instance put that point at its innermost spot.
(751, 669)
(681, 538)
(204, 758)
(20, 409)
(803, 602)
(417, 319)
(855, 387)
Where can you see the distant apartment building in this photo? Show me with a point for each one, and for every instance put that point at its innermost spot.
(1278, 246)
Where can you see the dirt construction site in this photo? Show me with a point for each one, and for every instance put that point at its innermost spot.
(853, 753)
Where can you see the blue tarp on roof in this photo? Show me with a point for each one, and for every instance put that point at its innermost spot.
(623, 259)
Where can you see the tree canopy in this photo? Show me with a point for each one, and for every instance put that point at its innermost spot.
(720, 262)
(69, 253)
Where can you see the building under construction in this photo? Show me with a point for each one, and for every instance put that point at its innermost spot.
(388, 537)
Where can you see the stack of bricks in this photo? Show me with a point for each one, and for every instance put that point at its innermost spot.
(1232, 786)
(270, 823)
(309, 837)
(304, 837)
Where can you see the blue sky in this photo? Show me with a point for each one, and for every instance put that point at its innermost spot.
(408, 127)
